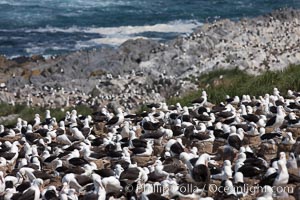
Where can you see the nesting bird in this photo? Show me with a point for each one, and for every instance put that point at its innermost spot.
(104, 157)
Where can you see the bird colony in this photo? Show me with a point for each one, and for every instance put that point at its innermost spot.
(242, 148)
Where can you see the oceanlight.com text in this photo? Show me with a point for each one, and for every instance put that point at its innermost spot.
(213, 188)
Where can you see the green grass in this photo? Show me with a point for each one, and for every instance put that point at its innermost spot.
(237, 82)
(27, 113)
(142, 109)
(234, 82)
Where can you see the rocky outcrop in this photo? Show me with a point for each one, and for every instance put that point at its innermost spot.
(269, 42)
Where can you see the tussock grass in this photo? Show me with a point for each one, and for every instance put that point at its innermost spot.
(236, 82)
(233, 82)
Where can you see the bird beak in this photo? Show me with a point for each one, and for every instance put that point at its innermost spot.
(23, 177)
(283, 110)
(206, 163)
(129, 151)
(41, 187)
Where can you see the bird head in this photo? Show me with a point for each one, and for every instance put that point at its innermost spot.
(282, 156)
(281, 165)
(292, 156)
(238, 177)
(157, 163)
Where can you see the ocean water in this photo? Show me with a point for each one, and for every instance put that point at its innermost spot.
(51, 27)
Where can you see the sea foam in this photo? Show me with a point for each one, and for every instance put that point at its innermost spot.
(117, 35)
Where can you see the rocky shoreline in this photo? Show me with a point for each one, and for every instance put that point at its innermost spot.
(144, 70)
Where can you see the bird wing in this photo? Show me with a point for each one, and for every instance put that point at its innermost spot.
(27, 195)
(271, 121)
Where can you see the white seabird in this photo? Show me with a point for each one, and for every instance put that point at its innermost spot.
(276, 121)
